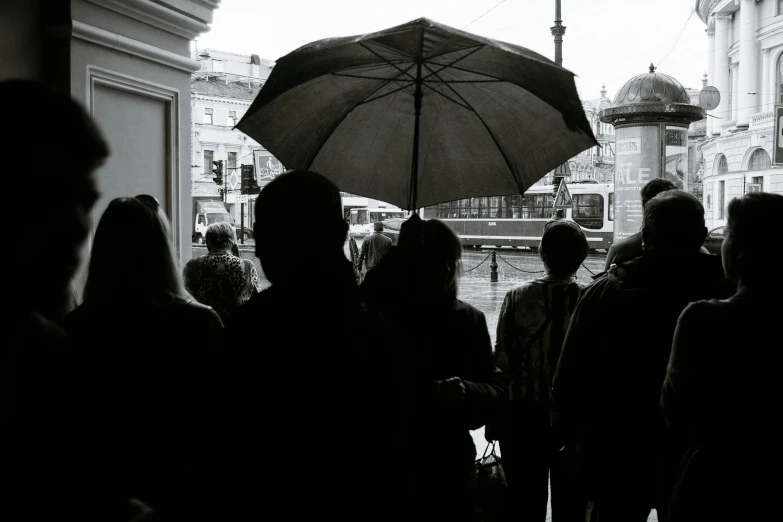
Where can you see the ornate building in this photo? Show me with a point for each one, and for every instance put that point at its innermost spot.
(597, 162)
(745, 64)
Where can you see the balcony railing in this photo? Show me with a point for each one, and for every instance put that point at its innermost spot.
(762, 120)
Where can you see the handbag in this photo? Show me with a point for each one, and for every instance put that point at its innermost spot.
(488, 486)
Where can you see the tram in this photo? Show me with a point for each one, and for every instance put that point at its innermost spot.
(518, 221)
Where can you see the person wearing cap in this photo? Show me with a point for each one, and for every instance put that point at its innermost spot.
(221, 279)
(374, 247)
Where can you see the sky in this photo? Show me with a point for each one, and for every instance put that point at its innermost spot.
(606, 41)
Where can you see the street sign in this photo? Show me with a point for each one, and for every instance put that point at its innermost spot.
(563, 196)
(241, 198)
(709, 98)
(777, 146)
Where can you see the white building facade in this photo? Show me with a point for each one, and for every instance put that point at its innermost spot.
(221, 92)
(745, 64)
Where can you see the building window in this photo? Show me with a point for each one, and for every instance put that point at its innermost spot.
(723, 165)
(209, 156)
(208, 114)
(232, 117)
(780, 7)
(758, 182)
(759, 160)
(232, 160)
(721, 199)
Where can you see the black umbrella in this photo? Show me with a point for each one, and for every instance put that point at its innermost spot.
(420, 114)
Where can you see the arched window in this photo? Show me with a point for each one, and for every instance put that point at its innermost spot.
(723, 165)
(759, 160)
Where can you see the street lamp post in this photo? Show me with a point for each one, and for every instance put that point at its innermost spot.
(558, 30)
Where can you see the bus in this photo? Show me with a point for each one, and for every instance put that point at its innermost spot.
(518, 221)
(362, 219)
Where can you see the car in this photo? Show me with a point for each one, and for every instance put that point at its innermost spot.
(714, 240)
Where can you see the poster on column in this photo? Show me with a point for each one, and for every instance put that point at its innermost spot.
(677, 156)
(637, 161)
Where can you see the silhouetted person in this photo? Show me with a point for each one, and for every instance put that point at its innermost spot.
(309, 430)
(613, 362)
(530, 331)
(145, 387)
(631, 246)
(34, 387)
(374, 247)
(458, 387)
(722, 387)
(220, 278)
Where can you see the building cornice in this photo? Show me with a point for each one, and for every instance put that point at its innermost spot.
(218, 99)
(186, 18)
(90, 33)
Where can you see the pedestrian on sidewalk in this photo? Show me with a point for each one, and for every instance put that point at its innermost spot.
(374, 247)
(722, 386)
(613, 362)
(220, 278)
(309, 387)
(531, 327)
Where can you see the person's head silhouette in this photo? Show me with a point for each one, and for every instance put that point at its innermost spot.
(65, 190)
(295, 203)
(753, 245)
(673, 222)
(132, 257)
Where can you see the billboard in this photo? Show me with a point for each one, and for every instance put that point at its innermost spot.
(676, 152)
(637, 161)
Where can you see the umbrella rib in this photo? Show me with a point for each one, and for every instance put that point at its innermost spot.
(386, 60)
(390, 80)
(368, 100)
(452, 100)
(486, 126)
(464, 81)
(366, 77)
(478, 48)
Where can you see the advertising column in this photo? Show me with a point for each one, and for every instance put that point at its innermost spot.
(637, 161)
(677, 157)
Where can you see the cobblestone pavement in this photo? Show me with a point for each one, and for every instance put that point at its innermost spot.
(514, 266)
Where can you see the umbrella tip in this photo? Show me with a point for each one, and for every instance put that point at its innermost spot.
(652, 68)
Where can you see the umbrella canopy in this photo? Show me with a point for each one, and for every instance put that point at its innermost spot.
(420, 114)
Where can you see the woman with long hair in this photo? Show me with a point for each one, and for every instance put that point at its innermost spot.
(457, 385)
(143, 348)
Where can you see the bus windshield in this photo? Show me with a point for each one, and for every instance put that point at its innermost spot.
(359, 217)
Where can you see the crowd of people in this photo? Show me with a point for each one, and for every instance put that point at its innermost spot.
(190, 395)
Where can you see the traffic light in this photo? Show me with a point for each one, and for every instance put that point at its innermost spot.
(249, 185)
(218, 172)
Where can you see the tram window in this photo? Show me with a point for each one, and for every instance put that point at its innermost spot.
(483, 207)
(537, 206)
(494, 207)
(588, 210)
